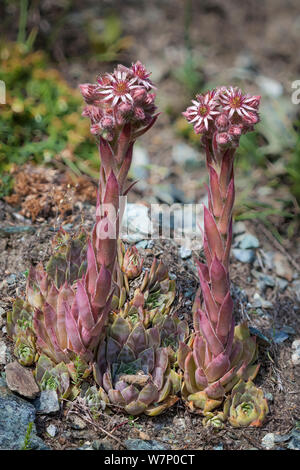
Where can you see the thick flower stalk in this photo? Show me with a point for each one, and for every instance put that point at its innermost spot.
(121, 108)
(215, 359)
(134, 372)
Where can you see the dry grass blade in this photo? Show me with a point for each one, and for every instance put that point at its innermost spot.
(84, 413)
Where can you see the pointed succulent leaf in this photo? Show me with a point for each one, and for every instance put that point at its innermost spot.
(202, 401)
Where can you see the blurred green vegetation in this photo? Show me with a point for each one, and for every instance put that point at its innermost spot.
(41, 119)
(106, 38)
(189, 74)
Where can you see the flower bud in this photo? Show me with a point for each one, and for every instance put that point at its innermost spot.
(139, 95)
(255, 102)
(235, 130)
(251, 119)
(150, 98)
(125, 109)
(89, 92)
(92, 112)
(222, 122)
(223, 139)
(139, 113)
(132, 263)
(107, 122)
(96, 129)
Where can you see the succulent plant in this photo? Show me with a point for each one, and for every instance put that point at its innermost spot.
(94, 399)
(73, 319)
(134, 371)
(66, 264)
(50, 376)
(218, 355)
(129, 266)
(151, 302)
(215, 420)
(246, 406)
(19, 328)
(132, 264)
(206, 379)
(68, 304)
(68, 260)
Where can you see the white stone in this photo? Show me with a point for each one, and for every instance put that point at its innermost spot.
(268, 441)
(296, 357)
(3, 353)
(51, 430)
(296, 344)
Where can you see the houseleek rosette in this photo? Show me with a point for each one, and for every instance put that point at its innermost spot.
(20, 329)
(151, 301)
(134, 372)
(207, 381)
(246, 406)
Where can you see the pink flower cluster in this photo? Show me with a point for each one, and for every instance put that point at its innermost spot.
(117, 98)
(223, 113)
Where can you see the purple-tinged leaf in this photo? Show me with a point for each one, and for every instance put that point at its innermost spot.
(75, 342)
(212, 233)
(101, 290)
(215, 390)
(226, 256)
(215, 192)
(183, 351)
(201, 379)
(92, 270)
(199, 351)
(189, 374)
(203, 270)
(219, 280)
(226, 171)
(84, 307)
(211, 306)
(224, 221)
(106, 155)
(123, 172)
(148, 394)
(123, 143)
(116, 397)
(217, 368)
(130, 393)
(214, 343)
(225, 316)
